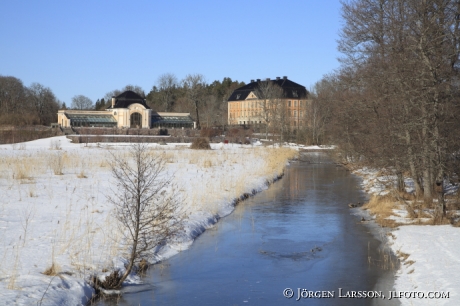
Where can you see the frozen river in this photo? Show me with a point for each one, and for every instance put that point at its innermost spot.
(298, 235)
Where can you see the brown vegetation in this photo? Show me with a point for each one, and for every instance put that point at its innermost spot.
(200, 143)
(53, 270)
(395, 96)
(382, 207)
(15, 134)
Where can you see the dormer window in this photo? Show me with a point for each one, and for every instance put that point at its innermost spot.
(294, 93)
(238, 96)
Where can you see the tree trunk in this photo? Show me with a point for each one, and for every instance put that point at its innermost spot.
(197, 116)
(413, 171)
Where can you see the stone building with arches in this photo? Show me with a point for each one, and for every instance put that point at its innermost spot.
(128, 110)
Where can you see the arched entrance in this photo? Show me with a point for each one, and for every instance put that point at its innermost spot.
(136, 120)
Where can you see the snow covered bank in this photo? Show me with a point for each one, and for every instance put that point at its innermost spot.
(54, 211)
(430, 255)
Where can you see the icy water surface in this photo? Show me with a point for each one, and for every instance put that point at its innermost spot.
(298, 234)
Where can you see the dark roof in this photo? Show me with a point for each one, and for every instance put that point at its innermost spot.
(291, 89)
(127, 98)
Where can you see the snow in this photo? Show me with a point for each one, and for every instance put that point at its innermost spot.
(433, 262)
(66, 220)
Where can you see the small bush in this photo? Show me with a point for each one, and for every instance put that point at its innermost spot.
(111, 281)
(200, 143)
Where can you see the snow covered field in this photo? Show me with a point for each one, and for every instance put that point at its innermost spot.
(54, 212)
(430, 255)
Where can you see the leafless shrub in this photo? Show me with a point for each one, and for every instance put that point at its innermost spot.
(146, 204)
(200, 143)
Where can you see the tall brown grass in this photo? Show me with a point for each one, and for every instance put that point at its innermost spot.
(382, 207)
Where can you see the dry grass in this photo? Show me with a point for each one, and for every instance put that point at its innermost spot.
(20, 171)
(90, 244)
(53, 270)
(402, 256)
(382, 207)
(56, 163)
(12, 280)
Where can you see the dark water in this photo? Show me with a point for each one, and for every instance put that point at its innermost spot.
(298, 234)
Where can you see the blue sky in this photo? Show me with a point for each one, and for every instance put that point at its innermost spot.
(93, 47)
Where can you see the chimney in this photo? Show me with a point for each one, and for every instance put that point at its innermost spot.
(285, 78)
(113, 102)
(258, 80)
(277, 78)
(267, 79)
(252, 81)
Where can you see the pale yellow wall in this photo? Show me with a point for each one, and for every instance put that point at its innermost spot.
(62, 119)
(123, 115)
(145, 113)
(250, 110)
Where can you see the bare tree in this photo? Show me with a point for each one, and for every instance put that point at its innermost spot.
(400, 71)
(268, 94)
(195, 85)
(319, 111)
(137, 89)
(146, 203)
(44, 102)
(113, 93)
(167, 84)
(81, 102)
(12, 94)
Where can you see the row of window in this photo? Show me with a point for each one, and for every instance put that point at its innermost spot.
(253, 104)
(252, 114)
(294, 123)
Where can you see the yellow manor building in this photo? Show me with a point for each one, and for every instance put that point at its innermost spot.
(269, 101)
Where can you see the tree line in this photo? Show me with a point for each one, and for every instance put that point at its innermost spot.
(37, 104)
(22, 105)
(394, 101)
(206, 102)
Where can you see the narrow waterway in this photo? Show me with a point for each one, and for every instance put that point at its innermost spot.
(298, 234)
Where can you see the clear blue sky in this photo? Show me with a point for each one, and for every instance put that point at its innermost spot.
(93, 47)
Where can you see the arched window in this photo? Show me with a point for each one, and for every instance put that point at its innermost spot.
(136, 120)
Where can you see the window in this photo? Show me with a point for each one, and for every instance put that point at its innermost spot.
(289, 103)
(295, 103)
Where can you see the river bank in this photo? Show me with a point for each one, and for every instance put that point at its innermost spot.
(428, 255)
(56, 224)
